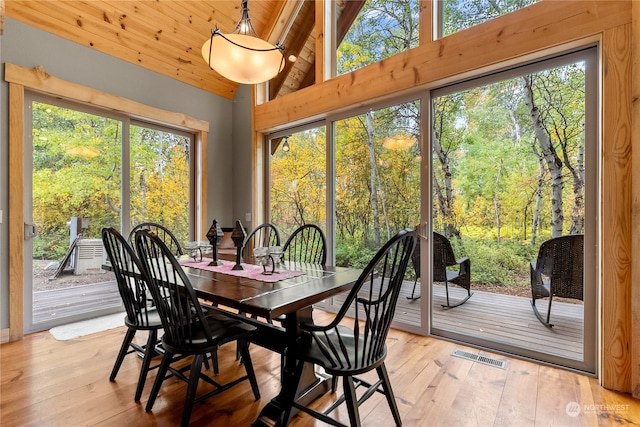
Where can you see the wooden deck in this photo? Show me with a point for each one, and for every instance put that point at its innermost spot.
(510, 320)
(76, 301)
(505, 319)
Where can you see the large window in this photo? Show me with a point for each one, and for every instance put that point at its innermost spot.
(360, 184)
(457, 15)
(161, 178)
(377, 179)
(76, 173)
(512, 163)
(78, 160)
(298, 180)
(367, 32)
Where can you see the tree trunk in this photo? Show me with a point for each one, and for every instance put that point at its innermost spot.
(535, 224)
(444, 191)
(577, 173)
(374, 183)
(496, 202)
(551, 159)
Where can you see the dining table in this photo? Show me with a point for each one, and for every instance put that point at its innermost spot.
(275, 304)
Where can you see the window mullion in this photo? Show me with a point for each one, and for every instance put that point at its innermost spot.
(125, 185)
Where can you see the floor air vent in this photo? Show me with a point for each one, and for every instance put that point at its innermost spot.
(502, 364)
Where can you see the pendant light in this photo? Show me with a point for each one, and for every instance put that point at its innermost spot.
(241, 56)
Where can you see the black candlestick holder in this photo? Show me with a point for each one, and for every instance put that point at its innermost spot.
(238, 235)
(214, 235)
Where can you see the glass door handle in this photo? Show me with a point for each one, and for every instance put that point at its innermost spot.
(30, 231)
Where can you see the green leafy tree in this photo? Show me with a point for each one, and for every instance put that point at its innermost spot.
(461, 14)
(383, 28)
(77, 170)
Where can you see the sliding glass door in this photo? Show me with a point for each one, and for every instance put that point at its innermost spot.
(514, 169)
(88, 170)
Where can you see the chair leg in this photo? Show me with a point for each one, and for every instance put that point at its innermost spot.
(539, 316)
(160, 377)
(414, 290)
(149, 352)
(124, 348)
(462, 301)
(194, 378)
(243, 346)
(388, 392)
(214, 361)
(351, 401)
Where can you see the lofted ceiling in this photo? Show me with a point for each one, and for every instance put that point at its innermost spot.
(166, 36)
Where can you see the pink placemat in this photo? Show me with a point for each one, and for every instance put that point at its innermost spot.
(250, 271)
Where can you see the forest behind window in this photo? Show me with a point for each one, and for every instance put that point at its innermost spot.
(77, 172)
(381, 29)
(457, 15)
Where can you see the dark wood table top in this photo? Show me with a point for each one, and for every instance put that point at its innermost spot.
(272, 299)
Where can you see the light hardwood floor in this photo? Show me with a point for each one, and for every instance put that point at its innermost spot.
(45, 382)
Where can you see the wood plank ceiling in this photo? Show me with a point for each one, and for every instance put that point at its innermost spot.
(166, 36)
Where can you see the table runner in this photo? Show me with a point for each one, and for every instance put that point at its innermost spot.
(250, 271)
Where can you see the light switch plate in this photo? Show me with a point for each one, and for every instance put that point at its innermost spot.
(247, 217)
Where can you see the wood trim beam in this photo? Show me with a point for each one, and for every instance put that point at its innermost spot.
(322, 11)
(38, 80)
(426, 21)
(635, 200)
(616, 200)
(202, 187)
(1, 17)
(535, 28)
(16, 211)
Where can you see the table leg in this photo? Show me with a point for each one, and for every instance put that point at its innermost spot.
(312, 384)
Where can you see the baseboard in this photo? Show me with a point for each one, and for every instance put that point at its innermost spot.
(4, 336)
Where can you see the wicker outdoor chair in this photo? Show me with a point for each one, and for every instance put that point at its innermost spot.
(558, 272)
(444, 257)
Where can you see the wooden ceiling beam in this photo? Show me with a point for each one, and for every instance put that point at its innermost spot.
(296, 39)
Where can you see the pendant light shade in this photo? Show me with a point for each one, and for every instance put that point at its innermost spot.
(242, 56)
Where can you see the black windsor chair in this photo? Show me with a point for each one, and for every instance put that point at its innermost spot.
(141, 316)
(187, 331)
(346, 351)
(306, 244)
(167, 237)
(264, 235)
